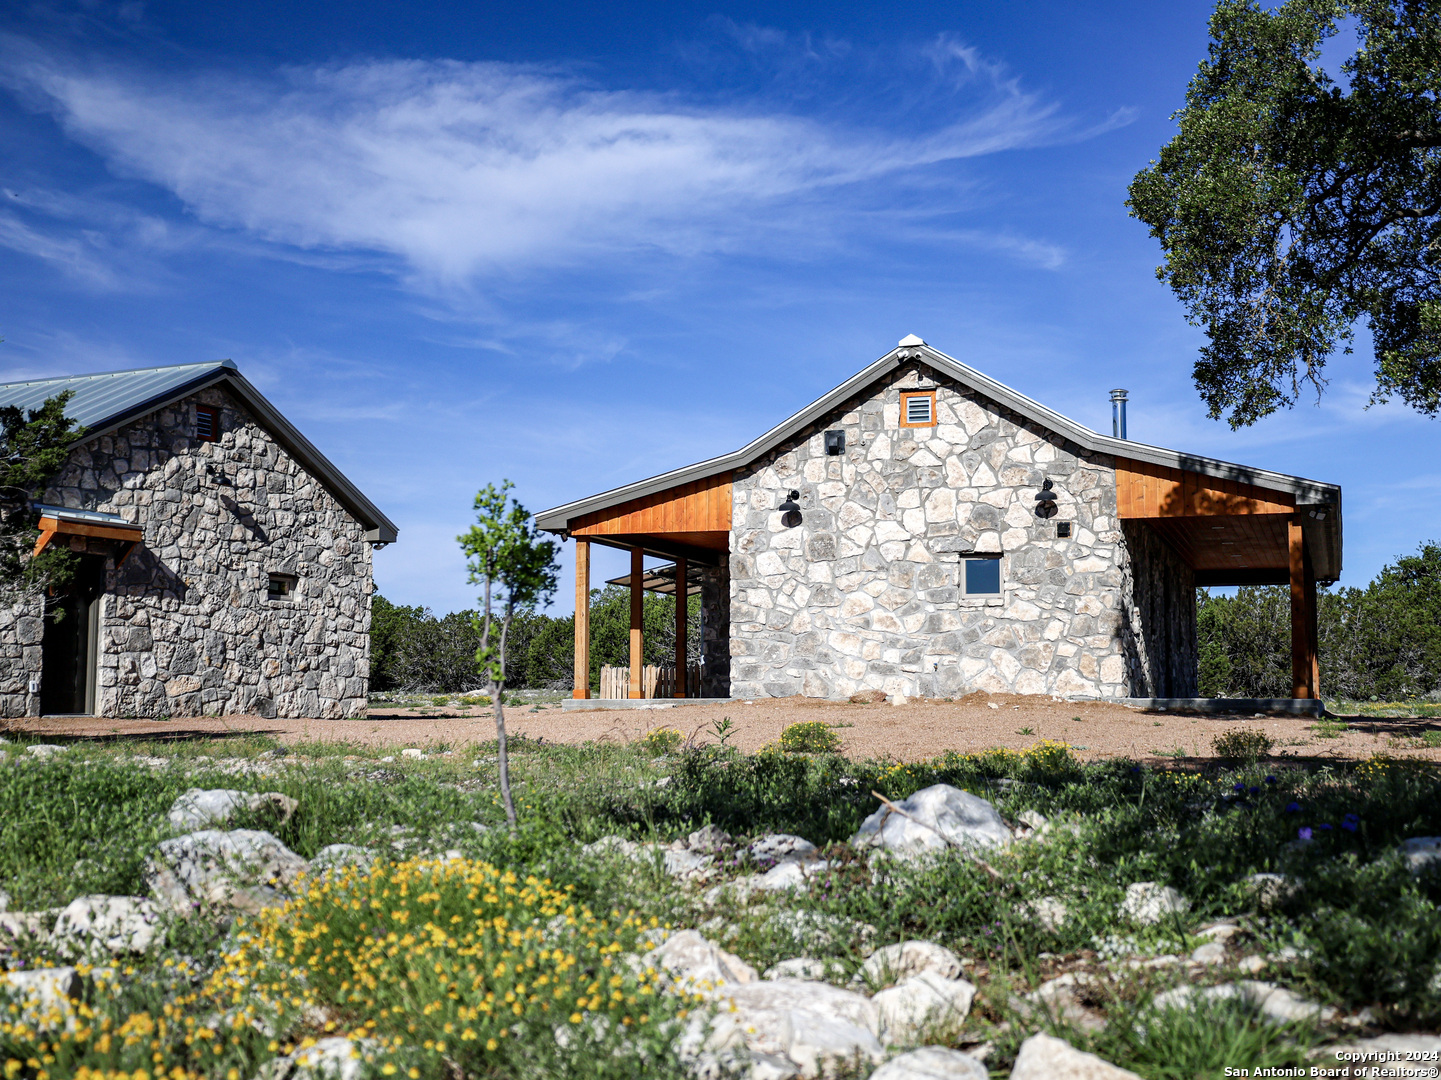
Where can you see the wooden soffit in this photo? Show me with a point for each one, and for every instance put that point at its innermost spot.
(696, 513)
(1144, 490)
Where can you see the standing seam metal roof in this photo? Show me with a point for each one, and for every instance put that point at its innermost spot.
(105, 401)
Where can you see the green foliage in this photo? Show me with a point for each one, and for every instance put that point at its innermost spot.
(809, 737)
(33, 447)
(516, 570)
(1290, 207)
(1242, 744)
(1383, 641)
(662, 740)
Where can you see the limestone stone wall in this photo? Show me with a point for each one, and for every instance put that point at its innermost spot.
(865, 592)
(187, 626)
(715, 630)
(1160, 624)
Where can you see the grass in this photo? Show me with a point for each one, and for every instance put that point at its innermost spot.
(1365, 930)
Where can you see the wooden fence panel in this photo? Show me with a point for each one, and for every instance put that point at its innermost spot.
(657, 681)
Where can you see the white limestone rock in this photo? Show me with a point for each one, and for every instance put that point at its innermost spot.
(1063, 998)
(199, 808)
(931, 821)
(1049, 912)
(932, 1063)
(109, 924)
(4, 901)
(892, 963)
(1422, 854)
(696, 964)
(334, 1058)
(1270, 891)
(243, 870)
(44, 751)
(1044, 1057)
(924, 1005)
(1148, 903)
(1213, 952)
(687, 865)
(1271, 1001)
(805, 967)
(809, 1024)
(336, 857)
(46, 996)
(779, 847)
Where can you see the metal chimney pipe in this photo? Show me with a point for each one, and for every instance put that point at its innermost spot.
(1118, 414)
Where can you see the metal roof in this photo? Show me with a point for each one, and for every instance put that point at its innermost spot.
(84, 517)
(108, 400)
(1324, 535)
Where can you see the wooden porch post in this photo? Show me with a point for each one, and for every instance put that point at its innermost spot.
(682, 609)
(582, 619)
(1303, 615)
(637, 622)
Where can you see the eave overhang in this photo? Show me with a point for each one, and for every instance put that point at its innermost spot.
(1323, 534)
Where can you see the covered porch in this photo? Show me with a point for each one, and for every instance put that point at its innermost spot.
(689, 525)
(1232, 532)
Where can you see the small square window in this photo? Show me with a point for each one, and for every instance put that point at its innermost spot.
(207, 423)
(918, 410)
(280, 587)
(981, 576)
(1063, 529)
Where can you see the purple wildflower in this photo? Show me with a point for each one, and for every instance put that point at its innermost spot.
(1304, 833)
(1293, 807)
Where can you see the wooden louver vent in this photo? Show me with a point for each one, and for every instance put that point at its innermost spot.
(207, 423)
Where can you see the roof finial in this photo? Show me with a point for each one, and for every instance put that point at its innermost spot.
(909, 340)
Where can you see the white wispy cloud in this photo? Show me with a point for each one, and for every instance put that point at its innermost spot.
(466, 169)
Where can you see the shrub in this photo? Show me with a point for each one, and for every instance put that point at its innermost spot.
(1051, 757)
(810, 737)
(455, 967)
(1242, 744)
(662, 740)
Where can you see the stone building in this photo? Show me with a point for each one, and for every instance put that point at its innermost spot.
(924, 530)
(225, 563)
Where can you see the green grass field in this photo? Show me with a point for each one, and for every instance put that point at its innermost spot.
(1361, 931)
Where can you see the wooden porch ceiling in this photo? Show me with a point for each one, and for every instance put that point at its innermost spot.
(1229, 532)
(692, 520)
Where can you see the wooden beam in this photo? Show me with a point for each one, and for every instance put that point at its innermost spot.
(637, 623)
(1144, 490)
(682, 610)
(46, 535)
(130, 534)
(700, 506)
(1303, 618)
(582, 620)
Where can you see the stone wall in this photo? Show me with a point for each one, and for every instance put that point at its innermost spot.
(715, 630)
(1160, 624)
(187, 625)
(865, 592)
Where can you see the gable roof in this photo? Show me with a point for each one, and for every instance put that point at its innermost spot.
(1307, 493)
(106, 401)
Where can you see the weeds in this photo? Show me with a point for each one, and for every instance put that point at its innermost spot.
(809, 737)
(1242, 744)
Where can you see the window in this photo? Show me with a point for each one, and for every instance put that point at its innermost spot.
(280, 587)
(207, 423)
(981, 576)
(918, 409)
(1063, 529)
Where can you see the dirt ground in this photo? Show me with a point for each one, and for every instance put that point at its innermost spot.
(919, 729)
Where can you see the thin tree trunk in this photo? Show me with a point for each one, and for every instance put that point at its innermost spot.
(497, 691)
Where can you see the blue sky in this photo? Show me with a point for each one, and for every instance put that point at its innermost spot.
(579, 245)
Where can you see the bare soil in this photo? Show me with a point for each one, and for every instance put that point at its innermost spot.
(910, 732)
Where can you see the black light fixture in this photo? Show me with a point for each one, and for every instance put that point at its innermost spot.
(1046, 501)
(790, 510)
(835, 443)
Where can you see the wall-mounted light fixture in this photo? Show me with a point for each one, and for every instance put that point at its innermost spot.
(790, 510)
(1046, 501)
(835, 443)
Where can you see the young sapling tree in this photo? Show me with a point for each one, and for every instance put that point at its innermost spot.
(517, 569)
